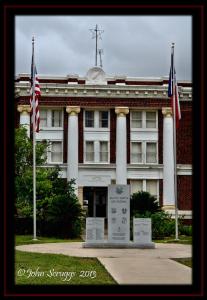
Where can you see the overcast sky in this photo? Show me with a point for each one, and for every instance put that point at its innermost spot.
(134, 46)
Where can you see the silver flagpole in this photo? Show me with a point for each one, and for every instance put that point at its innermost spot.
(174, 150)
(34, 144)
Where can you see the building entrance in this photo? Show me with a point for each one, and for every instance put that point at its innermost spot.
(96, 199)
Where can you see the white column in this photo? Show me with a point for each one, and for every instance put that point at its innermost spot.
(168, 160)
(121, 145)
(72, 167)
(25, 116)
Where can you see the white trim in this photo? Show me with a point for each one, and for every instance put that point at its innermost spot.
(186, 213)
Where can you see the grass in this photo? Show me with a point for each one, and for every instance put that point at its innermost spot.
(48, 269)
(28, 239)
(182, 239)
(187, 261)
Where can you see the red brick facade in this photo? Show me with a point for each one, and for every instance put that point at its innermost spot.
(112, 136)
(161, 192)
(184, 135)
(184, 184)
(160, 137)
(65, 136)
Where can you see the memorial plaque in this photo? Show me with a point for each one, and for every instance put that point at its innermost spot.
(142, 230)
(118, 213)
(94, 230)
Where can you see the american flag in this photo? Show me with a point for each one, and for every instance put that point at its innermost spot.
(35, 90)
(173, 91)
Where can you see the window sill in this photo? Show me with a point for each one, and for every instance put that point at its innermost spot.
(50, 128)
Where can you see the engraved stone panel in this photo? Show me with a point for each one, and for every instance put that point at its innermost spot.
(118, 213)
(94, 230)
(142, 230)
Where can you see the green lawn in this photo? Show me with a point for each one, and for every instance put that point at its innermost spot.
(187, 261)
(28, 239)
(44, 269)
(38, 268)
(182, 240)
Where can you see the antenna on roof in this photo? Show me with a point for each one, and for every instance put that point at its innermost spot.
(100, 51)
(96, 34)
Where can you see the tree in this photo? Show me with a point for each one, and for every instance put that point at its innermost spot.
(24, 171)
(58, 209)
(24, 151)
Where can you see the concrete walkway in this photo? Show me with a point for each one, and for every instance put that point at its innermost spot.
(130, 266)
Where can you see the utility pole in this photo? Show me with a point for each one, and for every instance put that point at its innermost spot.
(96, 33)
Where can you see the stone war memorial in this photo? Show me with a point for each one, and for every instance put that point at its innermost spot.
(118, 224)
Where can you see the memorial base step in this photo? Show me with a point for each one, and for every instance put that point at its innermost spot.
(130, 245)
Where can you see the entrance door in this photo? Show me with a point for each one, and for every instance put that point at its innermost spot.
(100, 202)
(97, 200)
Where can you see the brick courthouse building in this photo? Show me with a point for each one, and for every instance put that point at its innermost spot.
(105, 130)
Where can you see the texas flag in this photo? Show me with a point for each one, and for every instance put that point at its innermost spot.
(173, 90)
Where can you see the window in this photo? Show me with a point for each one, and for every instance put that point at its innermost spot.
(44, 155)
(103, 151)
(103, 119)
(150, 119)
(56, 151)
(151, 152)
(43, 118)
(136, 119)
(89, 118)
(151, 187)
(56, 118)
(89, 153)
(136, 186)
(136, 152)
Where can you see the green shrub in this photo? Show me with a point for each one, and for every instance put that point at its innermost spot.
(186, 230)
(142, 201)
(162, 224)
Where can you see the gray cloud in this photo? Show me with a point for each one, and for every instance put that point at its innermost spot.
(137, 46)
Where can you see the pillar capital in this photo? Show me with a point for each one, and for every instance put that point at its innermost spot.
(167, 112)
(168, 207)
(72, 110)
(121, 111)
(24, 109)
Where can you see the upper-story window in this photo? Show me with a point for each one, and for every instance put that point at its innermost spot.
(89, 118)
(103, 119)
(143, 152)
(56, 118)
(56, 152)
(89, 153)
(103, 151)
(150, 119)
(51, 118)
(143, 119)
(151, 152)
(136, 152)
(136, 119)
(97, 119)
(43, 118)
